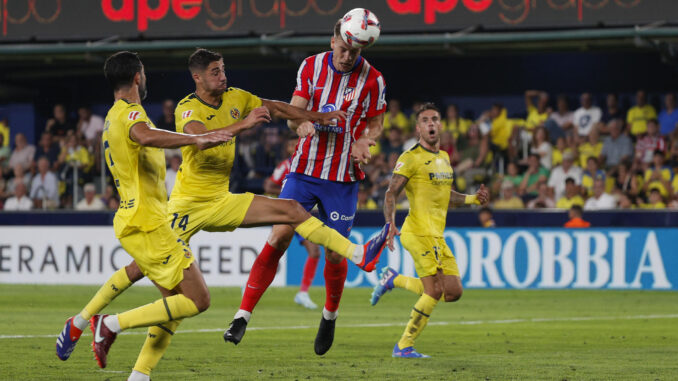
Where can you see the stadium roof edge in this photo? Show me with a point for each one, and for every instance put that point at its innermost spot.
(390, 40)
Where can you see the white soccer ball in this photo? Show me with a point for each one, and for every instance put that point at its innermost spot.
(360, 28)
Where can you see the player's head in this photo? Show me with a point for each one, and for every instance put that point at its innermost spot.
(428, 124)
(125, 70)
(344, 56)
(207, 70)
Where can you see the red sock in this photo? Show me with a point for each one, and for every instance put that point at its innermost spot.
(335, 276)
(262, 274)
(309, 273)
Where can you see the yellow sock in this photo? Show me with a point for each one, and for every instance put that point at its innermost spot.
(409, 283)
(418, 320)
(315, 231)
(157, 341)
(114, 286)
(161, 311)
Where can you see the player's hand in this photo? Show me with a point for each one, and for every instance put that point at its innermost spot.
(306, 129)
(360, 151)
(330, 118)
(211, 139)
(483, 195)
(258, 116)
(392, 232)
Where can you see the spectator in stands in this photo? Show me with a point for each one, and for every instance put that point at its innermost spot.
(557, 153)
(4, 131)
(49, 149)
(60, 125)
(649, 143)
(113, 203)
(592, 147)
(536, 115)
(4, 193)
(542, 147)
(576, 218)
(560, 173)
(496, 124)
(673, 156)
(638, 116)
(395, 117)
(454, 123)
(5, 152)
(91, 202)
(268, 154)
(393, 141)
(485, 217)
(600, 199)
(45, 186)
(19, 176)
(617, 147)
(416, 105)
(571, 196)
(668, 117)
(658, 175)
(655, 200)
(448, 144)
(473, 151)
(562, 119)
(586, 116)
(364, 200)
(20, 200)
(626, 201)
(612, 111)
(532, 177)
(108, 194)
(166, 120)
(509, 198)
(23, 152)
(90, 126)
(171, 173)
(74, 157)
(543, 199)
(591, 173)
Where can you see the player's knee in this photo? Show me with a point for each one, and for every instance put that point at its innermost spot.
(133, 272)
(453, 295)
(280, 241)
(296, 212)
(333, 257)
(202, 302)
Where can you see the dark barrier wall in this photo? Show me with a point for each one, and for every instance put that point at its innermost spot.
(94, 19)
(375, 218)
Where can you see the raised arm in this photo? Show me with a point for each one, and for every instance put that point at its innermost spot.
(396, 186)
(153, 137)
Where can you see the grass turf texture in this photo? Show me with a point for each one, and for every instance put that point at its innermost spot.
(547, 335)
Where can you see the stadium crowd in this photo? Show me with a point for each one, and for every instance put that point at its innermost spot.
(547, 155)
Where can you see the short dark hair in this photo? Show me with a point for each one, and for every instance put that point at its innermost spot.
(202, 58)
(121, 67)
(569, 180)
(337, 28)
(485, 209)
(577, 209)
(427, 106)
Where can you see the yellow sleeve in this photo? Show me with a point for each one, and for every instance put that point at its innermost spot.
(648, 174)
(187, 111)
(629, 115)
(132, 115)
(653, 112)
(405, 165)
(251, 101)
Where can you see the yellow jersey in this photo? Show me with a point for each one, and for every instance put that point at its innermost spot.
(566, 203)
(4, 131)
(587, 150)
(457, 127)
(205, 174)
(430, 177)
(637, 117)
(535, 118)
(138, 171)
(398, 120)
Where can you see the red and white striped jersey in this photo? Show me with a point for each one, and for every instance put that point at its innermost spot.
(361, 93)
(281, 171)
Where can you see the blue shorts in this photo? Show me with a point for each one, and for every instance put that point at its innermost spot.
(337, 201)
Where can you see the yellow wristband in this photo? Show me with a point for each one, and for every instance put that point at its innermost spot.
(471, 199)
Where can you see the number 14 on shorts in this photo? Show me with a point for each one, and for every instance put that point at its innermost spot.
(183, 221)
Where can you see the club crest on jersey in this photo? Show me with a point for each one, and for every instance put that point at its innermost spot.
(186, 114)
(235, 113)
(349, 94)
(134, 115)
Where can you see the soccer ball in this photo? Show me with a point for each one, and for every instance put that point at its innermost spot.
(360, 28)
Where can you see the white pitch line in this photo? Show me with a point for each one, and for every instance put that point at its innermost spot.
(373, 325)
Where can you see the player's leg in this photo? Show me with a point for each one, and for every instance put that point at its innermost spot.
(452, 288)
(302, 298)
(266, 211)
(114, 286)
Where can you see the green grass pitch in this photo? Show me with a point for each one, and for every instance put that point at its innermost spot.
(487, 335)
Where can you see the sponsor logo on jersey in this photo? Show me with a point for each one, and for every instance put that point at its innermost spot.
(333, 127)
(235, 113)
(134, 115)
(335, 216)
(186, 114)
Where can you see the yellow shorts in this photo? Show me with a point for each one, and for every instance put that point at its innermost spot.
(188, 216)
(430, 254)
(161, 255)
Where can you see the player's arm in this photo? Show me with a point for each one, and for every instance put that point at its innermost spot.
(153, 137)
(297, 113)
(360, 150)
(482, 197)
(256, 117)
(395, 187)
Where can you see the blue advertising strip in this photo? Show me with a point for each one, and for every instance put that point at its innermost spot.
(634, 258)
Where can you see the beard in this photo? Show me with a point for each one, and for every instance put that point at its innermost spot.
(143, 91)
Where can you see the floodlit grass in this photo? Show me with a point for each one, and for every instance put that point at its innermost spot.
(488, 335)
